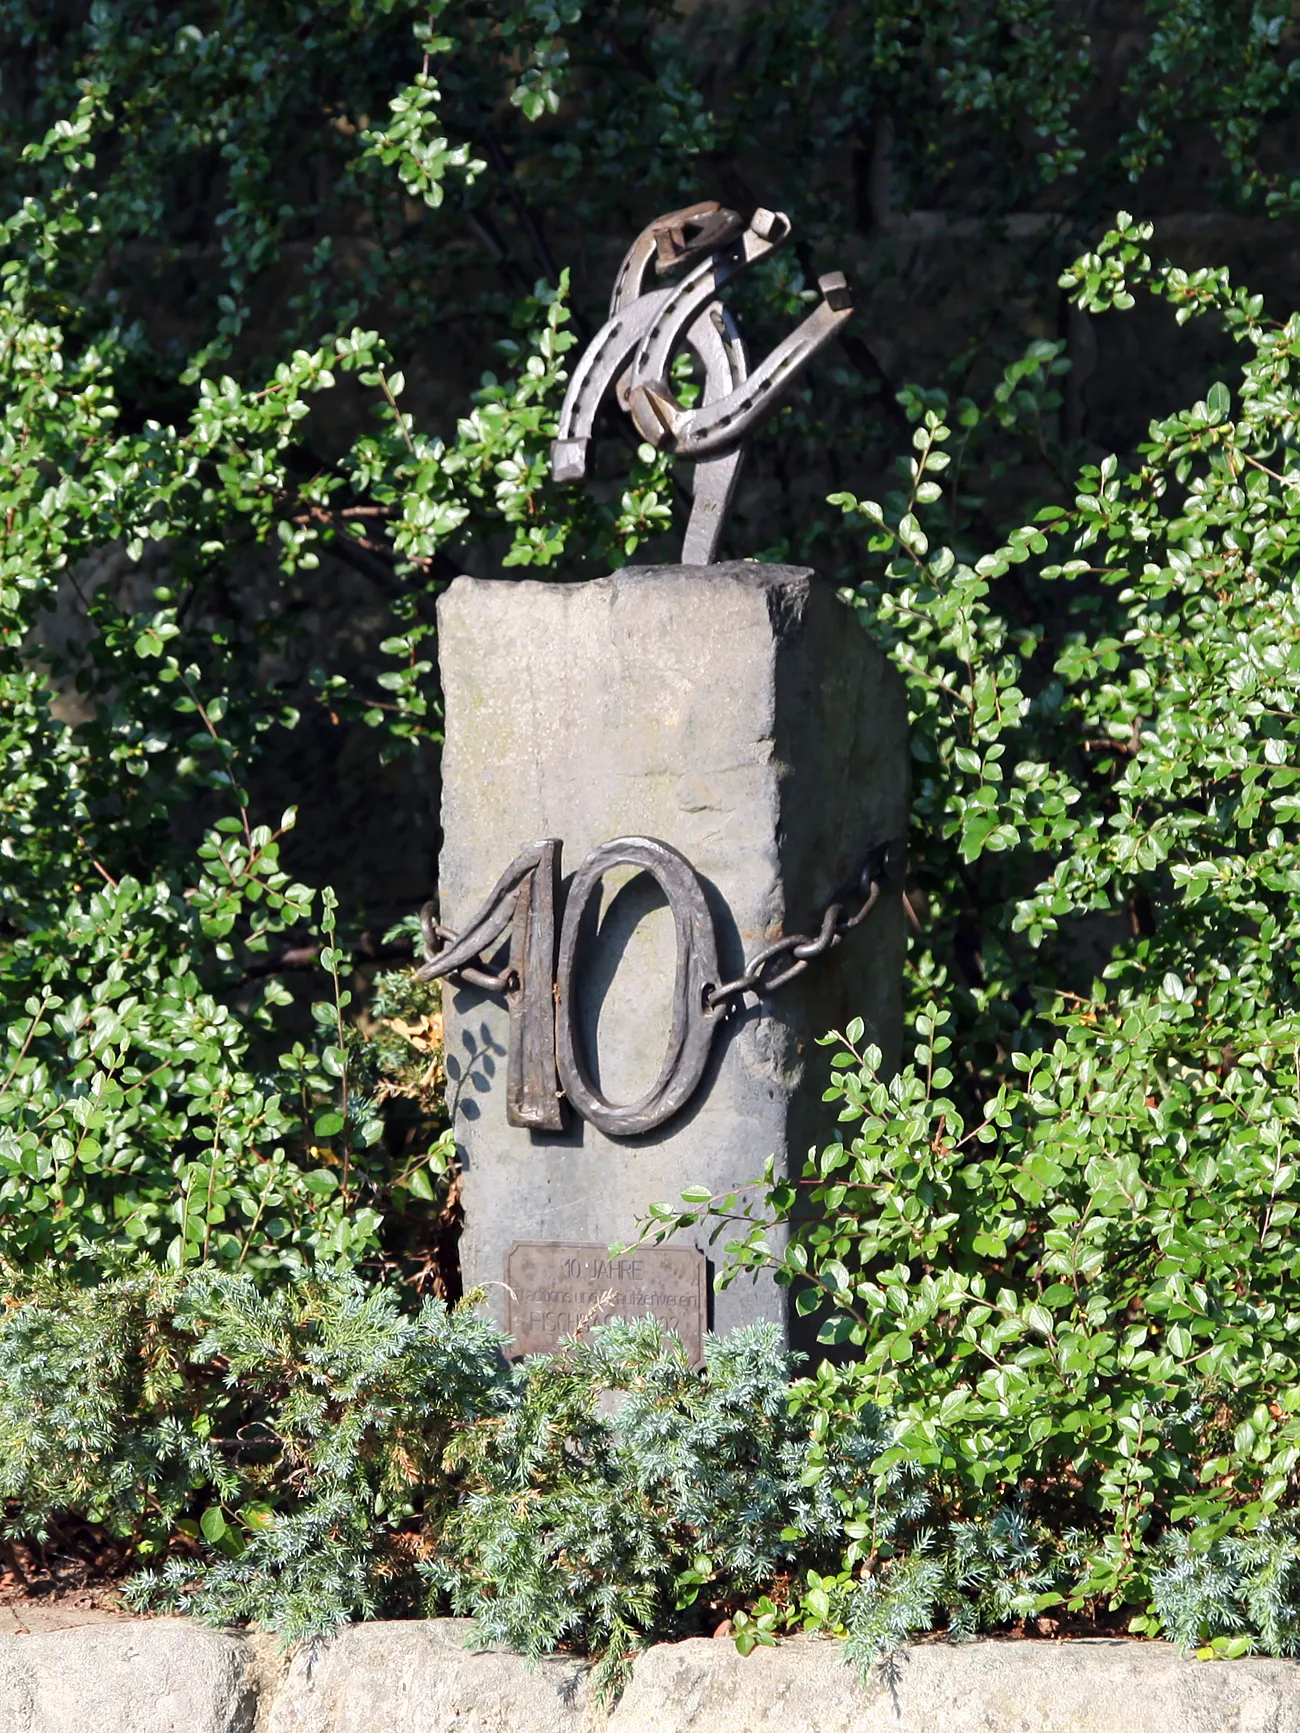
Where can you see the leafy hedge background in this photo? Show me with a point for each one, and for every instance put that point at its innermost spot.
(254, 262)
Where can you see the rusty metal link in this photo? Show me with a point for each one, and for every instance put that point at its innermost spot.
(438, 939)
(883, 866)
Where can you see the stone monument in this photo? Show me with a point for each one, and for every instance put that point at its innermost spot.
(673, 805)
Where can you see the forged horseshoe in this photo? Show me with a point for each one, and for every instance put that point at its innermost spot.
(649, 324)
(697, 432)
(633, 351)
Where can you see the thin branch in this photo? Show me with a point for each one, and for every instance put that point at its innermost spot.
(46, 996)
(397, 414)
(527, 222)
(304, 957)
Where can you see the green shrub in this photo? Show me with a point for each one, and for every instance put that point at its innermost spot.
(318, 1453)
(346, 1405)
(287, 1444)
(321, 1453)
(135, 1117)
(1062, 1236)
(1231, 1594)
(622, 1496)
(99, 1416)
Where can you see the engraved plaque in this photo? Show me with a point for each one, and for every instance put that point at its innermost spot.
(554, 1288)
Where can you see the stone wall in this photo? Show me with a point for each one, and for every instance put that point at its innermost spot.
(169, 1676)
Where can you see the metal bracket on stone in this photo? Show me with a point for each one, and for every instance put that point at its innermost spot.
(633, 353)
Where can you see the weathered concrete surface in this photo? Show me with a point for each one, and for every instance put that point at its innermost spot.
(804, 1686)
(15, 1688)
(128, 1676)
(739, 713)
(418, 1678)
(169, 1676)
(29, 1618)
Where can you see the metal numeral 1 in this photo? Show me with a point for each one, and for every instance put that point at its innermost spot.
(523, 899)
(532, 1098)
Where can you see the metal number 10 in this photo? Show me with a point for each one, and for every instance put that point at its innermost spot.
(541, 986)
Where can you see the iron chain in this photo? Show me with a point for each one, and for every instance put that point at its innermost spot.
(436, 940)
(883, 866)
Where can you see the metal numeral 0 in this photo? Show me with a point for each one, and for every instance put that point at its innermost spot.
(541, 994)
(691, 1035)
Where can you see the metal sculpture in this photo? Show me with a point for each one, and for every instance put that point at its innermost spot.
(545, 1063)
(633, 352)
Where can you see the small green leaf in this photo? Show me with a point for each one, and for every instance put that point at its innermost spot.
(418, 1184)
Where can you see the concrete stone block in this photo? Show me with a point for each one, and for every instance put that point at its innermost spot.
(130, 1676)
(419, 1678)
(170, 1676)
(805, 1686)
(739, 713)
(15, 1686)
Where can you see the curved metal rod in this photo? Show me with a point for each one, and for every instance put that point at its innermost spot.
(604, 360)
(713, 427)
(631, 273)
(648, 321)
(491, 920)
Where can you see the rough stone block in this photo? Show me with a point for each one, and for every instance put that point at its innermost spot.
(170, 1676)
(132, 1676)
(805, 1686)
(738, 713)
(15, 1686)
(419, 1678)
